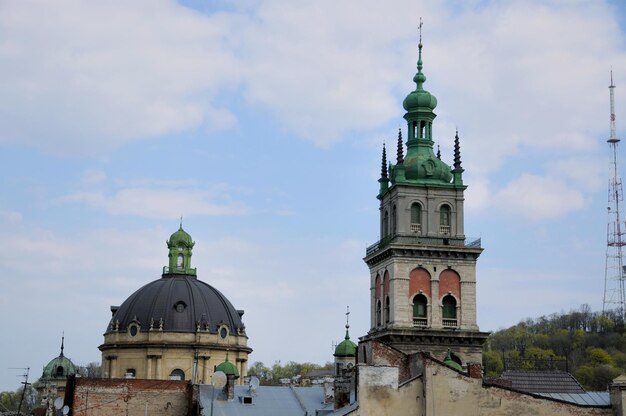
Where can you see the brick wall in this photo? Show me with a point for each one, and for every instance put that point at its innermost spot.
(112, 397)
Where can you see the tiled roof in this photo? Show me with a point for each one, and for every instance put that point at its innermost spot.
(543, 381)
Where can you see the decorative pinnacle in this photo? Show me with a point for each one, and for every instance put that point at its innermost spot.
(62, 343)
(181, 222)
(438, 152)
(383, 168)
(347, 321)
(457, 153)
(419, 78)
(400, 159)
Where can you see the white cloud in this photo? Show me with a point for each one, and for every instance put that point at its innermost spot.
(538, 198)
(158, 203)
(83, 77)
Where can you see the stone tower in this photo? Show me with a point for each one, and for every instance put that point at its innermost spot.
(423, 268)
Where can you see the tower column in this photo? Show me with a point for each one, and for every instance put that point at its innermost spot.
(435, 305)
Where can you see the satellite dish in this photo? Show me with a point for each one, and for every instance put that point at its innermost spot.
(219, 379)
(58, 403)
(66, 409)
(254, 382)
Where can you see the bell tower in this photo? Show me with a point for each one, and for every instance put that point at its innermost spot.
(423, 268)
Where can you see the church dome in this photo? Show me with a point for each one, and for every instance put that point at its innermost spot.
(177, 303)
(59, 367)
(346, 348)
(181, 237)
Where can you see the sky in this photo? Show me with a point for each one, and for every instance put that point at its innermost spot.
(261, 124)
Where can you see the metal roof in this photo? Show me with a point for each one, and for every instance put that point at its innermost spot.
(590, 398)
(202, 305)
(266, 400)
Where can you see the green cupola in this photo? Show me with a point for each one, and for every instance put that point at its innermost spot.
(420, 166)
(451, 363)
(346, 348)
(180, 247)
(60, 367)
(228, 368)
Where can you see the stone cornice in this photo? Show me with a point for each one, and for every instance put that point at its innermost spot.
(417, 252)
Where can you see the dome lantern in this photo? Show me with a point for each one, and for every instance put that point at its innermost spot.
(180, 247)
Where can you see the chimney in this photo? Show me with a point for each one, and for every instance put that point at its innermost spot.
(475, 370)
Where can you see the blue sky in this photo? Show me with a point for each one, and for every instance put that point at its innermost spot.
(262, 126)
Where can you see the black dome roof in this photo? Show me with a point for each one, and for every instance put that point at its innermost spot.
(183, 302)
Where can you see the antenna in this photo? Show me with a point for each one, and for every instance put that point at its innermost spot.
(614, 273)
(26, 384)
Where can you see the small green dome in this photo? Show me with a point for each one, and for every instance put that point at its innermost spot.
(451, 363)
(346, 348)
(427, 167)
(59, 367)
(228, 368)
(180, 236)
(420, 99)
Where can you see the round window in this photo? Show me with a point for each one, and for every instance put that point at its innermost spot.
(133, 330)
(223, 332)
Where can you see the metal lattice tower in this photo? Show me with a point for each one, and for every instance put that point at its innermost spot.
(614, 272)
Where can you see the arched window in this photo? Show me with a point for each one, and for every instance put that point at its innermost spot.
(444, 219)
(59, 372)
(387, 309)
(449, 311)
(179, 261)
(177, 374)
(416, 218)
(420, 315)
(130, 373)
(393, 220)
(378, 311)
(385, 224)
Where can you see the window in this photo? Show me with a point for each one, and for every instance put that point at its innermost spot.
(223, 332)
(393, 220)
(59, 372)
(444, 219)
(387, 309)
(180, 306)
(378, 311)
(416, 217)
(177, 374)
(133, 329)
(130, 373)
(179, 261)
(420, 315)
(449, 311)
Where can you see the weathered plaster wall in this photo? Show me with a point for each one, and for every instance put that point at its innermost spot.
(380, 395)
(447, 392)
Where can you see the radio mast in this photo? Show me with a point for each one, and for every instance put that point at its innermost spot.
(614, 270)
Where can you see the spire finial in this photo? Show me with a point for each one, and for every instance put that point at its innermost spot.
(457, 152)
(62, 342)
(181, 222)
(400, 159)
(438, 152)
(347, 321)
(383, 168)
(420, 29)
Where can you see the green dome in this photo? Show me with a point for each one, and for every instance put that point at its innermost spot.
(451, 363)
(420, 99)
(425, 166)
(59, 367)
(228, 368)
(346, 348)
(180, 236)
